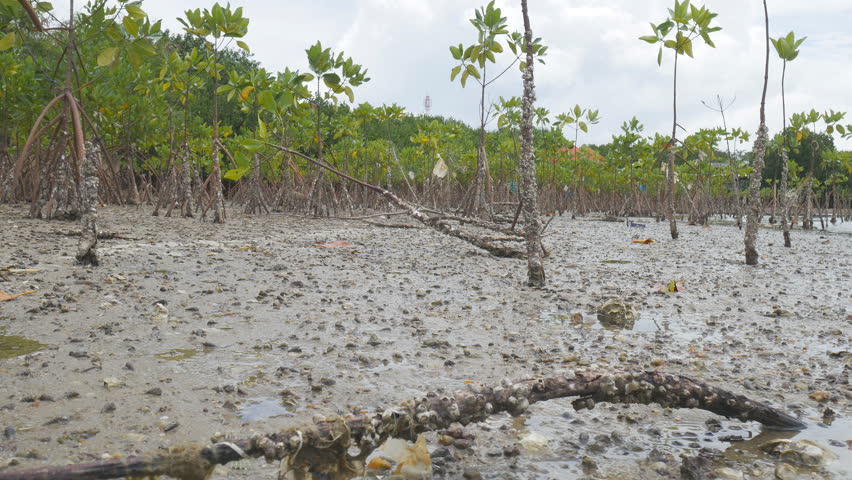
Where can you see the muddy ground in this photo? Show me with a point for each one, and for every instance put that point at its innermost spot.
(262, 329)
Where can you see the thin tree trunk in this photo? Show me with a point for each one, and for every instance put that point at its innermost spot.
(751, 255)
(87, 253)
(528, 187)
(670, 174)
(785, 201)
(216, 197)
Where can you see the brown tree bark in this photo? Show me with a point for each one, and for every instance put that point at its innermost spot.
(529, 189)
(754, 207)
(87, 253)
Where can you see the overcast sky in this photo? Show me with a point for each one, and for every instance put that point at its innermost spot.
(595, 58)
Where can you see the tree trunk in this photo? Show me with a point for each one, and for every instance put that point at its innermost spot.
(529, 189)
(754, 211)
(87, 253)
(670, 174)
(216, 197)
(808, 216)
(785, 201)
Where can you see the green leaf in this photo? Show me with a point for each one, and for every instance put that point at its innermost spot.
(130, 26)
(243, 45)
(266, 100)
(686, 44)
(224, 88)
(235, 174)
(464, 76)
(331, 79)
(584, 127)
(473, 71)
(660, 56)
(8, 41)
(107, 56)
(262, 131)
(456, 51)
(649, 38)
(349, 93)
(44, 6)
(142, 47)
(454, 72)
(135, 12)
(251, 144)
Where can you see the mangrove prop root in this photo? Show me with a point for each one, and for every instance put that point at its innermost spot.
(325, 446)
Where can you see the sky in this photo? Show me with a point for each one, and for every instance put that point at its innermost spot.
(594, 59)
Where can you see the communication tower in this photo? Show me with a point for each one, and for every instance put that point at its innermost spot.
(427, 104)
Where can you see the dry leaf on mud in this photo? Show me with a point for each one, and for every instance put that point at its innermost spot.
(672, 287)
(10, 296)
(645, 241)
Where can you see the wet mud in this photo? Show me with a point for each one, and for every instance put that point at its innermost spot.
(188, 329)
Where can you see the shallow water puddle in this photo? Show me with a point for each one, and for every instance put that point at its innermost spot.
(262, 408)
(15, 346)
(834, 438)
(642, 323)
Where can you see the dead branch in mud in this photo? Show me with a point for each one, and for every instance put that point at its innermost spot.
(101, 235)
(324, 445)
(439, 223)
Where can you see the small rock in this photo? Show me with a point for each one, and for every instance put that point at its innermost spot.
(512, 450)
(616, 314)
(820, 396)
(588, 464)
(462, 443)
(729, 473)
(156, 391)
(112, 382)
(784, 471)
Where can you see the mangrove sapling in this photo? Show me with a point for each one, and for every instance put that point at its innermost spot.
(253, 92)
(528, 187)
(339, 75)
(735, 134)
(474, 60)
(217, 26)
(787, 48)
(579, 119)
(688, 22)
(759, 153)
(286, 103)
(179, 77)
(324, 445)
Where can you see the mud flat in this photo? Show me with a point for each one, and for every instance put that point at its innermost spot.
(190, 328)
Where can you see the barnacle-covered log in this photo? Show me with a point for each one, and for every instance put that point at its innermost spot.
(324, 446)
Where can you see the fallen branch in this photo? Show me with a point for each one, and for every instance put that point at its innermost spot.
(437, 223)
(323, 446)
(101, 235)
(389, 225)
